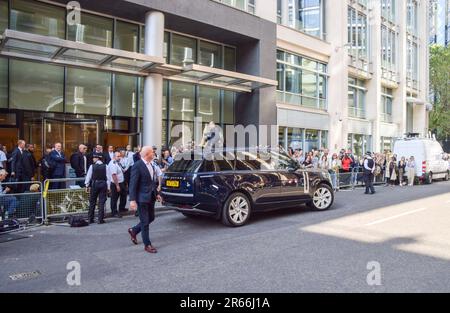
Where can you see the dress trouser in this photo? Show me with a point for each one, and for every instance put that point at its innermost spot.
(98, 191)
(115, 196)
(146, 217)
(368, 180)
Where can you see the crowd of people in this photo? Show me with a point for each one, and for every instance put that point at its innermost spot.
(20, 170)
(345, 166)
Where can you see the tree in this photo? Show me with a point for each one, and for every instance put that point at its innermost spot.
(440, 83)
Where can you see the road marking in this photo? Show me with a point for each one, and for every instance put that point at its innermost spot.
(395, 216)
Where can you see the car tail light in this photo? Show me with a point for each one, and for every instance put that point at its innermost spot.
(424, 167)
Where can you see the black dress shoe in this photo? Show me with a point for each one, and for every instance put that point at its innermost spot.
(133, 236)
(91, 221)
(101, 222)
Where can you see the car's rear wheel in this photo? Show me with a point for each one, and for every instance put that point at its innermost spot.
(236, 211)
(323, 198)
(446, 178)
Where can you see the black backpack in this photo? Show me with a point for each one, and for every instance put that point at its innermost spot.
(8, 225)
(77, 221)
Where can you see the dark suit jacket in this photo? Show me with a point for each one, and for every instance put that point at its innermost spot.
(28, 165)
(16, 162)
(106, 158)
(142, 187)
(77, 163)
(58, 164)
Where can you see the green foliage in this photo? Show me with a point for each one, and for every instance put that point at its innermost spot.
(440, 83)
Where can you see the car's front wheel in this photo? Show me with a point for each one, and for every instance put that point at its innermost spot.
(236, 211)
(323, 198)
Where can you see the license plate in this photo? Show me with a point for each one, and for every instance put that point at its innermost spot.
(173, 183)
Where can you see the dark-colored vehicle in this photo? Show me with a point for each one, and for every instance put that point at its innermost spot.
(231, 185)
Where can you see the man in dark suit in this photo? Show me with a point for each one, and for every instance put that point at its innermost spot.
(29, 165)
(98, 151)
(17, 165)
(144, 192)
(79, 163)
(58, 161)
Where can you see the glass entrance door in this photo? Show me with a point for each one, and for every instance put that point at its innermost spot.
(71, 134)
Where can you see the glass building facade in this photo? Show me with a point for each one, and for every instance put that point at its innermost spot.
(36, 92)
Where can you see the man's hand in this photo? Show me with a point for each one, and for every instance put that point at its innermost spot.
(7, 190)
(88, 190)
(133, 206)
(13, 174)
(118, 188)
(158, 198)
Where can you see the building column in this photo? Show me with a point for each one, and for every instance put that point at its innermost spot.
(153, 84)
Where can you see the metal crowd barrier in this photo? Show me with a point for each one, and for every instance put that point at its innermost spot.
(65, 196)
(21, 207)
(342, 180)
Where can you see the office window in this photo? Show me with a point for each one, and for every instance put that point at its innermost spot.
(411, 16)
(356, 98)
(36, 86)
(3, 83)
(230, 59)
(244, 5)
(388, 49)
(38, 18)
(182, 101)
(357, 34)
(228, 107)
(95, 30)
(412, 67)
(126, 36)
(210, 54)
(88, 92)
(301, 81)
(386, 105)
(209, 104)
(359, 143)
(3, 15)
(124, 99)
(304, 15)
(388, 10)
(183, 49)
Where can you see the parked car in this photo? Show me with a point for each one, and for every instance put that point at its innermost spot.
(431, 161)
(230, 186)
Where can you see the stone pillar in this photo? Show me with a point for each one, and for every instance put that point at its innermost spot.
(153, 84)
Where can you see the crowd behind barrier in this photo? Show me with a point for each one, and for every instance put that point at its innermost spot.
(35, 191)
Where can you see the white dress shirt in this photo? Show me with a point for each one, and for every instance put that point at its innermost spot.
(115, 168)
(89, 175)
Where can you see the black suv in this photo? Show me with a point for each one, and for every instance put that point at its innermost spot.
(231, 185)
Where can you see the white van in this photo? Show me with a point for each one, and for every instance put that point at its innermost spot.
(431, 163)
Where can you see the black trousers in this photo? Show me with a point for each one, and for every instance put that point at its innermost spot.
(368, 180)
(146, 217)
(116, 195)
(99, 191)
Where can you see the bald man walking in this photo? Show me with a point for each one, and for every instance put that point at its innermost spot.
(144, 192)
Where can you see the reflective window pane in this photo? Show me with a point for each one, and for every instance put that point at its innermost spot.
(210, 54)
(182, 102)
(38, 18)
(125, 89)
(209, 104)
(3, 15)
(183, 49)
(126, 36)
(88, 92)
(36, 86)
(93, 29)
(230, 59)
(228, 108)
(311, 140)
(3, 83)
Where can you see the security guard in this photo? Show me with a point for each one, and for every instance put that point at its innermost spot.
(98, 184)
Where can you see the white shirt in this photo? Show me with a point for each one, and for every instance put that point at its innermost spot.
(111, 155)
(89, 175)
(115, 168)
(153, 169)
(125, 163)
(2, 158)
(366, 165)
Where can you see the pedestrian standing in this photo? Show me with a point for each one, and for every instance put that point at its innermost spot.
(391, 171)
(45, 165)
(144, 192)
(97, 185)
(29, 166)
(79, 163)
(369, 169)
(58, 163)
(411, 167)
(3, 158)
(117, 185)
(401, 170)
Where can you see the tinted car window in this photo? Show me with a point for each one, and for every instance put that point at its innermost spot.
(252, 162)
(217, 165)
(283, 162)
(185, 166)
